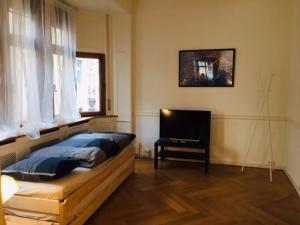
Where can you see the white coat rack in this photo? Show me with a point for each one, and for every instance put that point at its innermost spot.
(264, 105)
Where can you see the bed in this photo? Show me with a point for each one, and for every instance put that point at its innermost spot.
(73, 198)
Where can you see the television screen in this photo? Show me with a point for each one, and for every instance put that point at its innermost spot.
(185, 124)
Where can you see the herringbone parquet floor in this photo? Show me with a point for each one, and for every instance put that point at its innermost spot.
(180, 194)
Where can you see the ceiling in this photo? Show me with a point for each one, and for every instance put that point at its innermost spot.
(94, 5)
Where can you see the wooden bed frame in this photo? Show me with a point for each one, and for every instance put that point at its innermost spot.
(102, 186)
(97, 190)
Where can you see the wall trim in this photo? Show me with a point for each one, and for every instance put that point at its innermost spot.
(220, 116)
(293, 182)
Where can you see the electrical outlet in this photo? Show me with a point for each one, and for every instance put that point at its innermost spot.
(143, 152)
(146, 153)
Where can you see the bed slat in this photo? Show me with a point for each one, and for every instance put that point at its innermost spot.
(103, 195)
(33, 204)
(77, 196)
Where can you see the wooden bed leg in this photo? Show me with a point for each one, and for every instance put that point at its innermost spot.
(62, 214)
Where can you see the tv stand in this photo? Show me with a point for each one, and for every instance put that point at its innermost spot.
(181, 143)
(182, 140)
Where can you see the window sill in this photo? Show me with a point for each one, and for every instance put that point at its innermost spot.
(47, 130)
(92, 114)
(56, 128)
(100, 116)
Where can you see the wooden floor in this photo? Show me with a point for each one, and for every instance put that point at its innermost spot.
(179, 193)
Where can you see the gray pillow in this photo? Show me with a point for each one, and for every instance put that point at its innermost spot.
(90, 157)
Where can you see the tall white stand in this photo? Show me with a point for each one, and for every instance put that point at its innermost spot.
(264, 103)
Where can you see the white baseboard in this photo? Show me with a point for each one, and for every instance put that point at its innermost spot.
(297, 188)
(234, 163)
(227, 163)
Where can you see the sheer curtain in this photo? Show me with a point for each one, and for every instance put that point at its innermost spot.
(63, 38)
(37, 57)
(19, 99)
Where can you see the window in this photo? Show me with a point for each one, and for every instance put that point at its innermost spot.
(90, 83)
(205, 70)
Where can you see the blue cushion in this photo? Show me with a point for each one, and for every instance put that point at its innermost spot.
(110, 148)
(89, 156)
(41, 168)
(122, 139)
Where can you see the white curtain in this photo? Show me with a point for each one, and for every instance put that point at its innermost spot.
(63, 37)
(37, 53)
(19, 98)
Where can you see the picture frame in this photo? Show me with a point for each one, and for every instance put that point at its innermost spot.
(207, 68)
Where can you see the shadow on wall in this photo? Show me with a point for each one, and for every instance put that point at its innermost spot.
(218, 146)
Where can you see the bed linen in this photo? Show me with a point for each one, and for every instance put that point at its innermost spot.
(60, 188)
(108, 148)
(88, 156)
(122, 139)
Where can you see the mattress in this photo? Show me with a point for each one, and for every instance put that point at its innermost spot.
(61, 188)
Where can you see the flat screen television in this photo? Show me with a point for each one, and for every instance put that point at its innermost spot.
(190, 125)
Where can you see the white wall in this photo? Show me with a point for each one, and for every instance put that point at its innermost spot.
(293, 127)
(111, 35)
(257, 29)
(91, 31)
(126, 5)
(91, 36)
(120, 67)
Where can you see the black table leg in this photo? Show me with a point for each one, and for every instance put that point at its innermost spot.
(206, 160)
(162, 148)
(162, 144)
(155, 156)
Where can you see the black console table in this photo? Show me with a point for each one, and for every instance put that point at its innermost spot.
(201, 155)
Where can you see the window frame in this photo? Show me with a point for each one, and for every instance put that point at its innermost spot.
(102, 82)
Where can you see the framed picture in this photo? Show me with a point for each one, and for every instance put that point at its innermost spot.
(206, 68)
